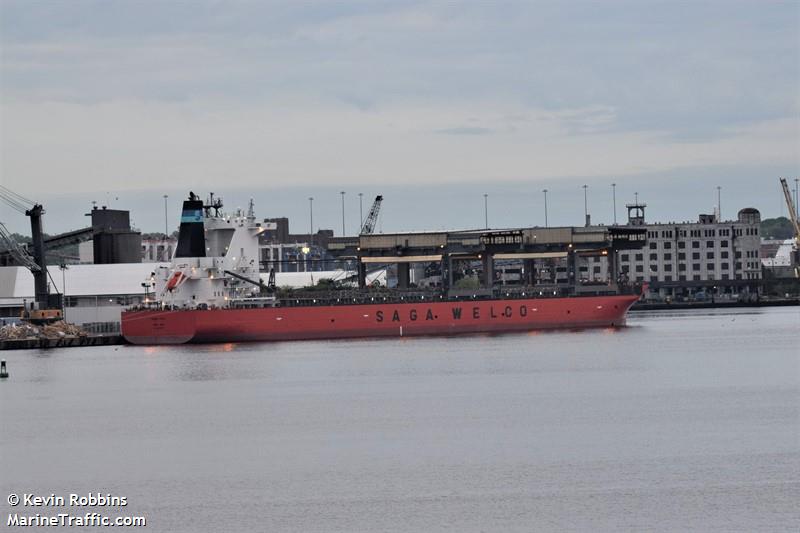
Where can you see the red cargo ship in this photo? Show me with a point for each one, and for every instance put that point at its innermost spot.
(213, 293)
(373, 320)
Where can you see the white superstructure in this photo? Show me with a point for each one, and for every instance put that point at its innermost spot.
(230, 245)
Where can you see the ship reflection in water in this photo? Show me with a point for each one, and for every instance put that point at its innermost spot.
(680, 422)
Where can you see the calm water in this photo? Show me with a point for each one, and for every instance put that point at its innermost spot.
(681, 421)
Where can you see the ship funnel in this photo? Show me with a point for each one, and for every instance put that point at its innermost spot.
(191, 237)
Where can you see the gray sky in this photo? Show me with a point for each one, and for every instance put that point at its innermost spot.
(430, 103)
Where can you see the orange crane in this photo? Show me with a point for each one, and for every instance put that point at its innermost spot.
(793, 219)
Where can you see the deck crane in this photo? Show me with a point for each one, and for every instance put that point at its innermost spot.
(372, 217)
(793, 219)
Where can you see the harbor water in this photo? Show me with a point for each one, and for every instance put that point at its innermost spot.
(682, 421)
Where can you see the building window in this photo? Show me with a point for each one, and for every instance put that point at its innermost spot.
(738, 254)
(667, 257)
(653, 268)
(667, 278)
(695, 266)
(695, 255)
(709, 244)
(596, 270)
(625, 268)
(681, 245)
(667, 268)
(738, 266)
(724, 244)
(710, 266)
(667, 245)
(682, 267)
(623, 257)
(639, 268)
(681, 256)
(709, 255)
(724, 255)
(724, 266)
(681, 278)
(696, 277)
(639, 257)
(653, 245)
(653, 257)
(695, 244)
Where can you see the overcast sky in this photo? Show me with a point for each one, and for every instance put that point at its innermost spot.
(430, 103)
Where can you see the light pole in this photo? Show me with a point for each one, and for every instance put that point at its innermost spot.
(486, 211)
(166, 224)
(586, 205)
(796, 207)
(311, 219)
(360, 210)
(343, 232)
(311, 225)
(614, 196)
(545, 207)
(719, 203)
(63, 267)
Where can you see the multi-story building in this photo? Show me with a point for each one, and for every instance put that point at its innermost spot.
(697, 259)
(158, 250)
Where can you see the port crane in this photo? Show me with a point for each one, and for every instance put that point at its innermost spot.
(44, 310)
(793, 219)
(372, 217)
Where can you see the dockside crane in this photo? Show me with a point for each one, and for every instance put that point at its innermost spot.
(43, 311)
(372, 217)
(793, 219)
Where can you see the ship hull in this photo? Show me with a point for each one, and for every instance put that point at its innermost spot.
(151, 327)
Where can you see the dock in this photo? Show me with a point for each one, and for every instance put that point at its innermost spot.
(68, 341)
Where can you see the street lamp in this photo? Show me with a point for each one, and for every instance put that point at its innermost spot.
(311, 219)
(486, 210)
(343, 231)
(545, 207)
(360, 210)
(166, 225)
(586, 204)
(614, 196)
(63, 267)
(796, 207)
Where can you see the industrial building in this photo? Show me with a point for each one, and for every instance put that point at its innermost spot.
(691, 260)
(283, 251)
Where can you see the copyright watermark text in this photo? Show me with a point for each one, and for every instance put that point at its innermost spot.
(72, 513)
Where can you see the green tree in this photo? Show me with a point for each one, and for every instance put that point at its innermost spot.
(776, 228)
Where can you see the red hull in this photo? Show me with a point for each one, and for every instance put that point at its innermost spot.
(379, 320)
